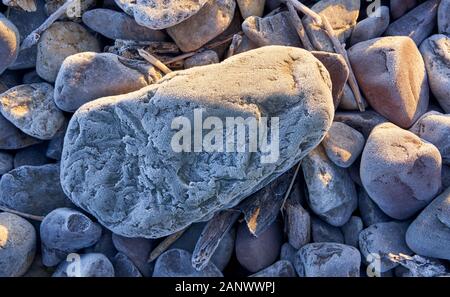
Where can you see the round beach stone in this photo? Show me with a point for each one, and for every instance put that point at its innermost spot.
(61, 40)
(392, 75)
(9, 43)
(400, 171)
(17, 245)
(124, 267)
(160, 191)
(280, 268)
(12, 138)
(364, 122)
(444, 17)
(251, 7)
(31, 109)
(351, 231)
(372, 26)
(324, 232)
(90, 265)
(369, 210)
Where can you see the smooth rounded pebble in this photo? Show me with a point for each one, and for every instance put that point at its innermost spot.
(64, 231)
(444, 17)
(429, 234)
(343, 144)
(399, 171)
(146, 197)
(31, 109)
(364, 122)
(331, 191)
(17, 245)
(61, 40)
(371, 27)
(87, 265)
(287, 252)
(391, 73)
(369, 210)
(351, 231)
(328, 260)
(6, 162)
(380, 240)
(34, 190)
(280, 268)
(297, 223)
(124, 267)
(9, 43)
(12, 138)
(177, 263)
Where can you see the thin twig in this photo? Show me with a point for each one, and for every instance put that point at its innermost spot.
(235, 43)
(22, 214)
(317, 20)
(291, 185)
(154, 61)
(298, 24)
(34, 36)
(164, 245)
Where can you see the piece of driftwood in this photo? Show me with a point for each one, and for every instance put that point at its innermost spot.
(154, 61)
(298, 24)
(164, 245)
(418, 266)
(34, 36)
(22, 214)
(211, 237)
(235, 43)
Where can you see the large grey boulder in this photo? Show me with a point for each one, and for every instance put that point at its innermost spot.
(118, 162)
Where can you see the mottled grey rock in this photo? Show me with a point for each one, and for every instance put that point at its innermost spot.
(370, 212)
(342, 15)
(391, 73)
(87, 76)
(6, 162)
(31, 78)
(331, 191)
(33, 155)
(55, 145)
(351, 231)
(204, 58)
(271, 30)
(400, 7)
(323, 232)
(74, 12)
(33, 189)
(384, 238)
(399, 171)
(280, 268)
(31, 109)
(371, 27)
(343, 144)
(61, 40)
(417, 24)
(118, 25)
(435, 128)
(213, 19)
(429, 234)
(297, 223)
(90, 265)
(12, 138)
(104, 245)
(17, 245)
(138, 250)
(124, 267)
(436, 54)
(256, 253)
(287, 252)
(9, 43)
(251, 7)
(364, 122)
(177, 263)
(444, 17)
(145, 117)
(328, 260)
(64, 231)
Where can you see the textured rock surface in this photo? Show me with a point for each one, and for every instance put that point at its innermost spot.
(324, 232)
(444, 17)
(87, 76)
(280, 268)
(17, 245)
(204, 58)
(91, 265)
(61, 40)
(399, 171)
(391, 73)
(137, 250)
(9, 43)
(12, 138)
(297, 223)
(400, 7)
(370, 212)
(364, 122)
(351, 231)
(298, 90)
(436, 54)
(31, 109)
(33, 155)
(429, 233)
(124, 267)
(251, 7)
(371, 27)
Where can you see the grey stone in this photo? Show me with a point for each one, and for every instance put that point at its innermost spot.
(213, 19)
(417, 24)
(31, 109)
(271, 30)
(251, 7)
(55, 145)
(145, 117)
(381, 239)
(399, 171)
(104, 245)
(280, 268)
(429, 234)
(177, 263)
(444, 17)
(73, 13)
(331, 191)
(371, 27)
(118, 25)
(246, 45)
(90, 265)
(287, 252)
(12, 138)
(297, 223)
(204, 58)
(9, 43)
(37, 269)
(348, 100)
(32, 78)
(124, 267)
(328, 260)
(364, 122)
(33, 155)
(17, 245)
(343, 144)
(61, 40)
(33, 189)
(64, 231)
(87, 76)
(6, 162)
(434, 127)
(323, 232)
(351, 231)
(370, 212)
(436, 54)
(400, 7)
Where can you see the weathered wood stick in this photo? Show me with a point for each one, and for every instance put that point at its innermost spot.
(298, 24)
(211, 237)
(308, 11)
(154, 61)
(164, 245)
(22, 214)
(235, 43)
(291, 185)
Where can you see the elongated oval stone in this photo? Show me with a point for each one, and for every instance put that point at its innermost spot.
(119, 162)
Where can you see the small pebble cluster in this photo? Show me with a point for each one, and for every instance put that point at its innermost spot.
(91, 187)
